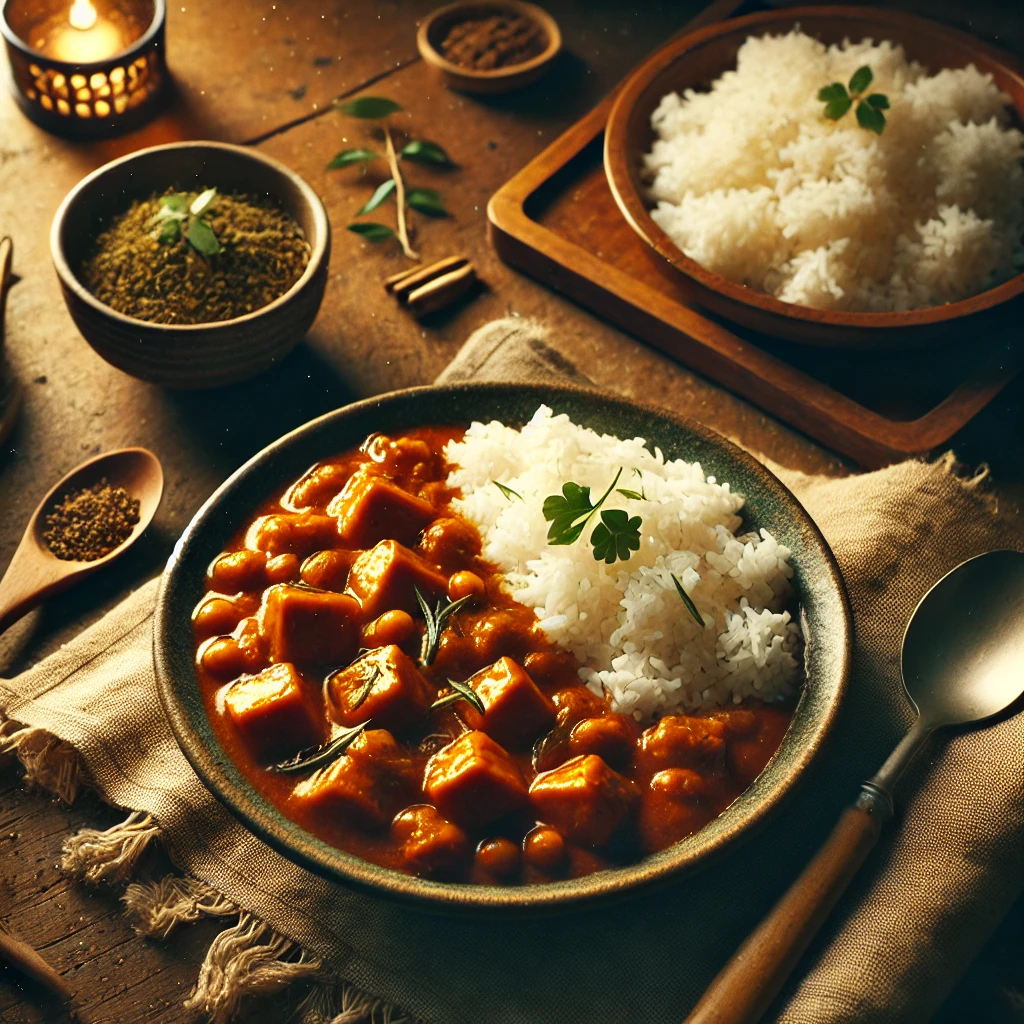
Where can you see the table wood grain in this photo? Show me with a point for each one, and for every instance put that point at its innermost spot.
(265, 74)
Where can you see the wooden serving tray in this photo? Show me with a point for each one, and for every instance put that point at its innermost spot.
(556, 220)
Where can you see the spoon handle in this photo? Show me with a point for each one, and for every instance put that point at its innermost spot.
(745, 987)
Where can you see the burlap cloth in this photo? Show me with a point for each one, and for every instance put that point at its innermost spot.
(924, 903)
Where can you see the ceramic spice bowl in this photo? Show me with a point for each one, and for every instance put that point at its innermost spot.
(200, 355)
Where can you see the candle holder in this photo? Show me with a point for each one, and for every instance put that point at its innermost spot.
(86, 69)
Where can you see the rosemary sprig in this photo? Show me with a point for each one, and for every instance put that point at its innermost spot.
(460, 691)
(507, 491)
(688, 601)
(365, 691)
(437, 620)
(314, 757)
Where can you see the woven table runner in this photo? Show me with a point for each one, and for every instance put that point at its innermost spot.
(926, 900)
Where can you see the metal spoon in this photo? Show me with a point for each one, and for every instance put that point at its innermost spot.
(963, 656)
(35, 572)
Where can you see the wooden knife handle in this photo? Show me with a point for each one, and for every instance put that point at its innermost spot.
(748, 983)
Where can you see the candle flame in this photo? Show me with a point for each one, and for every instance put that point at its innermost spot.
(83, 15)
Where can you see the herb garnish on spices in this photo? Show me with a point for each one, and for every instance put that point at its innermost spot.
(89, 523)
(424, 200)
(196, 257)
(838, 101)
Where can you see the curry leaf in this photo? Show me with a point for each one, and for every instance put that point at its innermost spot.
(861, 79)
(369, 107)
(422, 152)
(427, 201)
(380, 194)
(507, 491)
(351, 156)
(688, 601)
(313, 757)
(201, 237)
(616, 536)
(372, 232)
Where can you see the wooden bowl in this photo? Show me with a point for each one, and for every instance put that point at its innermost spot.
(816, 581)
(696, 60)
(199, 355)
(434, 29)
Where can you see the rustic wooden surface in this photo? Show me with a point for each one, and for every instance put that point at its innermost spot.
(264, 73)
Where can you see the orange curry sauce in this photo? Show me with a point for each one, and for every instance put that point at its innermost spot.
(310, 625)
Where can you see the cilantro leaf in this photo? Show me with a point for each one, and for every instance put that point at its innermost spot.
(861, 79)
(570, 511)
(688, 601)
(878, 100)
(837, 108)
(616, 536)
(871, 118)
(835, 91)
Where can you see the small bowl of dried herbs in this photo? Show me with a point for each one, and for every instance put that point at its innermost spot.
(194, 264)
(489, 47)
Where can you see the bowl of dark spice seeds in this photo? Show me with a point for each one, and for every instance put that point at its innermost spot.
(192, 265)
(489, 47)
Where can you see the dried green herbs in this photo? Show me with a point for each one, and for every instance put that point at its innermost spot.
(234, 256)
(89, 523)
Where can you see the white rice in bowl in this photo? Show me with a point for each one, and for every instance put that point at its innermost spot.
(627, 626)
(753, 182)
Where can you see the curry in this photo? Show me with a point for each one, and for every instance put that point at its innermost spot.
(355, 618)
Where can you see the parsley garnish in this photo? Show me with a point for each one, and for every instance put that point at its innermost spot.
(569, 512)
(688, 601)
(838, 101)
(616, 536)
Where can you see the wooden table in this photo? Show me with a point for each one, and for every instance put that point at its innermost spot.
(253, 72)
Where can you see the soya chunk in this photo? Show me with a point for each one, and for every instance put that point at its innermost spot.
(517, 712)
(365, 787)
(270, 712)
(431, 845)
(473, 781)
(372, 508)
(679, 741)
(309, 627)
(293, 533)
(384, 577)
(384, 685)
(584, 799)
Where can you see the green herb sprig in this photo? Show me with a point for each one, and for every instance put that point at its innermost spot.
(507, 491)
(178, 217)
(436, 619)
(314, 757)
(688, 601)
(838, 100)
(424, 200)
(616, 536)
(460, 691)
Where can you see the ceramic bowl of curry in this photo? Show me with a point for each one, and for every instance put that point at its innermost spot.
(242, 543)
(186, 355)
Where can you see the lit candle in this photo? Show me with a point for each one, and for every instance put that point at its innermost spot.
(85, 37)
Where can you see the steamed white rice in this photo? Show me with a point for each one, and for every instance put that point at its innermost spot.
(625, 623)
(754, 183)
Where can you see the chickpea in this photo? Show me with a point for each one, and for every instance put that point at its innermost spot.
(215, 616)
(544, 848)
(329, 569)
(498, 857)
(239, 570)
(393, 627)
(223, 658)
(465, 584)
(282, 568)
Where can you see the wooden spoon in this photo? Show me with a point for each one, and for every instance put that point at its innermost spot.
(35, 572)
